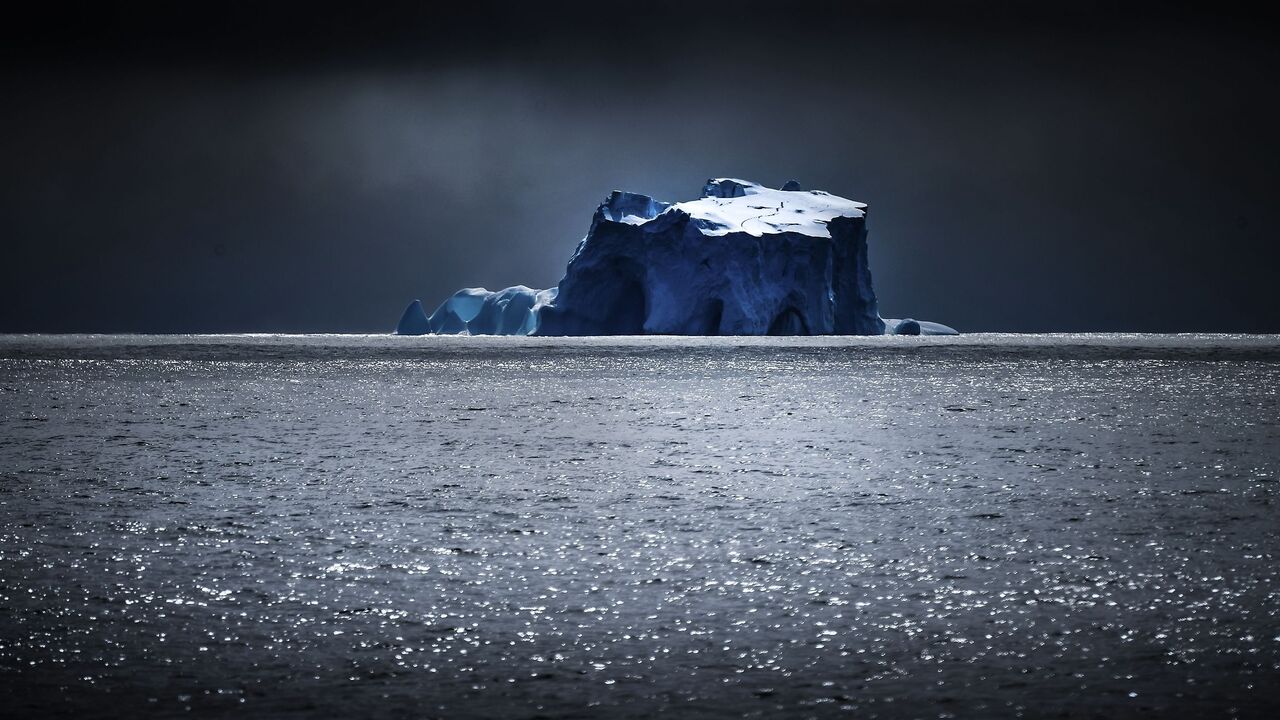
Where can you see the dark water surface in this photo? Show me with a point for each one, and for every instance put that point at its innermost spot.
(984, 526)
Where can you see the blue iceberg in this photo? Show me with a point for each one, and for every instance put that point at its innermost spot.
(476, 311)
(910, 326)
(741, 260)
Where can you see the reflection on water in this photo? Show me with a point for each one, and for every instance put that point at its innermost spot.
(983, 526)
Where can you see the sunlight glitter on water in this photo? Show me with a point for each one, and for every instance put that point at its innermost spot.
(722, 526)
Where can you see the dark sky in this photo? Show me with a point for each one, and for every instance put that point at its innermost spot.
(221, 167)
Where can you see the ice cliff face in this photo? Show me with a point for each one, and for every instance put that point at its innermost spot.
(741, 260)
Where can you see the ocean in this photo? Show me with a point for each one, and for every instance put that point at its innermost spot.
(371, 526)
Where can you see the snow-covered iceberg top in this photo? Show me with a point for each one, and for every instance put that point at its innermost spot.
(741, 260)
(728, 205)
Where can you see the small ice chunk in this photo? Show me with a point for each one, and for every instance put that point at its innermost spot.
(414, 320)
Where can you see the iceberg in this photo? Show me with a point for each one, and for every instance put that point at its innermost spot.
(414, 320)
(909, 326)
(742, 259)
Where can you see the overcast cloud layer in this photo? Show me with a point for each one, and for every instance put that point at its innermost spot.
(206, 171)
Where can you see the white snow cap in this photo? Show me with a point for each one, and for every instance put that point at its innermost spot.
(731, 205)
